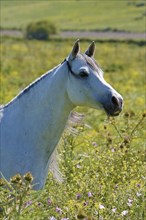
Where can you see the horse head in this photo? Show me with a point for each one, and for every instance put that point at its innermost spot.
(86, 85)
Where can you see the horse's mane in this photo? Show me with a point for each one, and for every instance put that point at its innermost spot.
(31, 85)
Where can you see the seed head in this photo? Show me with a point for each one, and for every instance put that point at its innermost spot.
(2, 183)
(121, 146)
(16, 179)
(109, 139)
(105, 127)
(127, 114)
(126, 140)
(28, 177)
(81, 215)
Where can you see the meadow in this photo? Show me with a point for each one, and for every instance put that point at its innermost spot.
(102, 163)
(76, 15)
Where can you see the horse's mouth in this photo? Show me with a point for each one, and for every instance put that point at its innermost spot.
(111, 112)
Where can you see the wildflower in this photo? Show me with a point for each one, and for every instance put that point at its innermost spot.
(78, 196)
(28, 203)
(78, 166)
(89, 194)
(130, 200)
(101, 206)
(94, 144)
(138, 194)
(59, 210)
(114, 210)
(125, 212)
(129, 204)
(138, 185)
(49, 201)
(53, 218)
(85, 203)
(39, 204)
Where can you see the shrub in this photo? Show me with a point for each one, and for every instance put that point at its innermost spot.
(40, 30)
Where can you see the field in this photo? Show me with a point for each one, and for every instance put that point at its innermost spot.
(103, 163)
(76, 15)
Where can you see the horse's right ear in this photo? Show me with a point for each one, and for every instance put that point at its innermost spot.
(75, 50)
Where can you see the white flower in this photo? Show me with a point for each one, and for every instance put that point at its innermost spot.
(78, 166)
(130, 200)
(114, 210)
(101, 206)
(125, 212)
(65, 219)
(129, 204)
(138, 194)
(53, 218)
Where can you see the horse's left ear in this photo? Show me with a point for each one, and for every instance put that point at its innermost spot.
(75, 50)
(91, 50)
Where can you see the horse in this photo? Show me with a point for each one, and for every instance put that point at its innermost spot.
(33, 122)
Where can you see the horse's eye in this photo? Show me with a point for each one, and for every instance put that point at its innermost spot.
(83, 74)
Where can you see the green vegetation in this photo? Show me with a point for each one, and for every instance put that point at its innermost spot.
(103, 164)
(40, 30)
(76, 15)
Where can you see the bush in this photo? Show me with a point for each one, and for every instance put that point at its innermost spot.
(40, 30)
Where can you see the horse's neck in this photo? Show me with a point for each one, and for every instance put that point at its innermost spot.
(43, 111)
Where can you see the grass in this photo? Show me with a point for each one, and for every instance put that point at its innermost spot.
(103, 164)
(76, 15)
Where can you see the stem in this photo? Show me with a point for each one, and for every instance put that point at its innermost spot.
(116, 128)
(136, 126)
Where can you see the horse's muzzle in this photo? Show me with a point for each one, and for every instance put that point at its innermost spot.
(115, 107)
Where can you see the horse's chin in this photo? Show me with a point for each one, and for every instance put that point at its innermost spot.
(111, 113)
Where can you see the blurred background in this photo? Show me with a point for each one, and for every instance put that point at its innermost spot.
(80, 15)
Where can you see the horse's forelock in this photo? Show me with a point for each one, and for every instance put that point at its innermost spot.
(91, 62)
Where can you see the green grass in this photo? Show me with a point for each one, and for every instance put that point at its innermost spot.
(103, 165)
(76, 15)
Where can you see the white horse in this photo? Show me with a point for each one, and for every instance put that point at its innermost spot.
(32, 123)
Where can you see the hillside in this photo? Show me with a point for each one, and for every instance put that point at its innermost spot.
(76, 15)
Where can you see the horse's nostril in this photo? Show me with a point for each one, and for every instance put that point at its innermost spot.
(115, 101)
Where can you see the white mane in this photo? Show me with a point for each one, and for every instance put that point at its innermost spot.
(30, 86)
